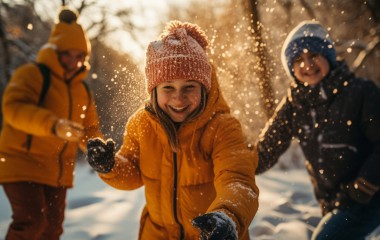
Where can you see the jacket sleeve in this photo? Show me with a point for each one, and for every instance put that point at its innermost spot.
(234, 181)
(20, 103)
(371, 126)
(275, 138)
(126, 175)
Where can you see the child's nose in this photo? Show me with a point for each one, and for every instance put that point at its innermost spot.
(179, 96)
(308, 62)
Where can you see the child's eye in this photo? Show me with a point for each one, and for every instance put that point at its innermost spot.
(80, 57)
(189, 88)
(168, 87)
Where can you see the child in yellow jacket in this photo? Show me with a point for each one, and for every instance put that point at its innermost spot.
(44, 124)
(184, 147)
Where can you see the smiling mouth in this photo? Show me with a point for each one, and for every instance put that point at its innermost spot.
(178, 109)
(312, 72)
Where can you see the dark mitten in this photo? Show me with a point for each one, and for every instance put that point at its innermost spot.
(215, 226)
(360, 191)
(101, 155)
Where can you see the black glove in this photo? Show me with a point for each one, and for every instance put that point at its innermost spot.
(101, 155)
(360, 190)
(215, 226)
(355, 192)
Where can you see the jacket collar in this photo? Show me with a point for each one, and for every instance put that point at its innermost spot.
(324, 92)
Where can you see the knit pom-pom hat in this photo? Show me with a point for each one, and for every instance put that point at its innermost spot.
(309, 35)
(180, 53)
(68, 34)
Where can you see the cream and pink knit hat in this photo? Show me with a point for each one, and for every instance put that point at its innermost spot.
(180, 53)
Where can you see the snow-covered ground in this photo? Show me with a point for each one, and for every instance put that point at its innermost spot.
(96, 211)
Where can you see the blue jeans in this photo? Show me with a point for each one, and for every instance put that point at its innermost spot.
(354, 223)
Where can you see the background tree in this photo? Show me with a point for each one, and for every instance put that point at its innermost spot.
(261, 57)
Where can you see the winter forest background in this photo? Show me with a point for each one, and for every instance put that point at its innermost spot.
(245, 38)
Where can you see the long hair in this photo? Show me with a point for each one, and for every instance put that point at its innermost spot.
(171, 128)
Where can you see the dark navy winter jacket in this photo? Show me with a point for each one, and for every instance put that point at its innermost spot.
(337, 124)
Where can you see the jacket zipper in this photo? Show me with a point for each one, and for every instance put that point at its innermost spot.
(28, 142)
(175, 192)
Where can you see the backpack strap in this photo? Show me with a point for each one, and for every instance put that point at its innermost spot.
(45, 72)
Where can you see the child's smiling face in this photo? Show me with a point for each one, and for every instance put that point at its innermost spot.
(179, 98)
(71, 60)
(310, 68)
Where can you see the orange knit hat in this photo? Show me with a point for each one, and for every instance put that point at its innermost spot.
(68, 34)
(178, 54)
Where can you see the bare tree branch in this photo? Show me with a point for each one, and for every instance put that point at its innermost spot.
(85, 4)
(308, 9)
(353, 44)
(287, 5)
(365, 53)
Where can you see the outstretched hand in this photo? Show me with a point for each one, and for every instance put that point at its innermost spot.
(215, 226)
(101, 154)
(68, 130)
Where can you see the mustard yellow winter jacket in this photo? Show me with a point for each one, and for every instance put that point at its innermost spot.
(44, 158)
(214, 171)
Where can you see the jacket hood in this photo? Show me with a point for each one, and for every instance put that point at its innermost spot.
(216, 103)
(66, 34)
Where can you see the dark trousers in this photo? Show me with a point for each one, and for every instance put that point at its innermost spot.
(38, 211)
(350, 224)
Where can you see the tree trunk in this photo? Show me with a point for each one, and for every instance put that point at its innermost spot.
(4, 69)
(261, 61)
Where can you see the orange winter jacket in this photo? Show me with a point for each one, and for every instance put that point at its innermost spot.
(45, 159)
(213, 171)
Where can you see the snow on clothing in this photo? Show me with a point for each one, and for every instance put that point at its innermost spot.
(48, 159)
(338, 126)
(212, 172)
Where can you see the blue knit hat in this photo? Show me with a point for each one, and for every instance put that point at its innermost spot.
(309, 35)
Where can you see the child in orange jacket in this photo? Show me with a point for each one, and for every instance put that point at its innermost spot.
(184, 147)
(42, 130)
